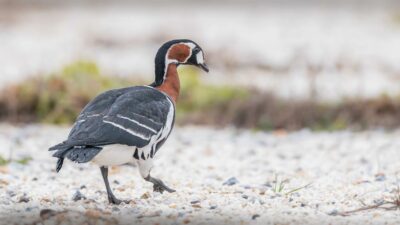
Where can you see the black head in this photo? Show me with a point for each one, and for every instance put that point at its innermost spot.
(179, 51)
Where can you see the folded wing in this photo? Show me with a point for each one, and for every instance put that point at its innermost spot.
(129, 116)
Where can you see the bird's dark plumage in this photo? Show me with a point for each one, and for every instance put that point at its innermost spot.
(127, 116)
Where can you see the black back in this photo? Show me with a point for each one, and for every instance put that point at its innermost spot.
(128, 116)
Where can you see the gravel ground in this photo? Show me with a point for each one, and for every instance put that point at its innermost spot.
(221, 176)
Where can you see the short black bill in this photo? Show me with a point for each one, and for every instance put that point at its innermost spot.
(204, 67)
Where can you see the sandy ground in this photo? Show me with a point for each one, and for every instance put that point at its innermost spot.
(221, 176)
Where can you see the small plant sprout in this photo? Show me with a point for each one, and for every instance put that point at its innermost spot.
(298, 189)
(280, 185)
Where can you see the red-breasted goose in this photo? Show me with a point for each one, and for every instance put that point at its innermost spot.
(131, 124)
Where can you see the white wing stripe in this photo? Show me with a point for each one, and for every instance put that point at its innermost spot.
(136, 122)
(128, 130)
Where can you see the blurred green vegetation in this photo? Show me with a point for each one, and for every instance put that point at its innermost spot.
(197, 96)
(59, 97)
(22, 161)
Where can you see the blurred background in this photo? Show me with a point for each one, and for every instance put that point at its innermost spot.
(320, 65)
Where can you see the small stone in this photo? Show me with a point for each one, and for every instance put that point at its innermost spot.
(47, 213)
(87, 201)
(379, 201)
(23, 198)
(245, 196)
(253, 200)
(116, 182)
(231, 181)
(100, 192)
(333, 212)
(267, 184)
(4, 169)
(145, 195)
(380, 177)
(363, 160)
(213, 207)
(3, 183)
(91, 213)
(121, 189)
(78, 196)
(45, 199)
(82, 187)
(152, 214)
(255, 216)
(195, 202)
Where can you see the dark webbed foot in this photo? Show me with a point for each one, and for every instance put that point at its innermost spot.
(116, 201)
(158, 185)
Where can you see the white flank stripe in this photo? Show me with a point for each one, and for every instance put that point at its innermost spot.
(94, 115)
(128, 130)
(136, 122)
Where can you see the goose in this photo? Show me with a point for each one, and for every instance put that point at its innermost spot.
(131, 124)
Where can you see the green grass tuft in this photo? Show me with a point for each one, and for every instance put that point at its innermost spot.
(22, 161)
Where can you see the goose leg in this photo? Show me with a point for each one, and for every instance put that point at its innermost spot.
(158, 185)
(111, 197)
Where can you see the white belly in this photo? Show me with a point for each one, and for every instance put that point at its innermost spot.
(113, 155)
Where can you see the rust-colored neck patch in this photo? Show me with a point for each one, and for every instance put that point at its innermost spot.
(171, 85)
(179, 52)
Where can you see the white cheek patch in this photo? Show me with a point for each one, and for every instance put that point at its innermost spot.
(200, 58)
